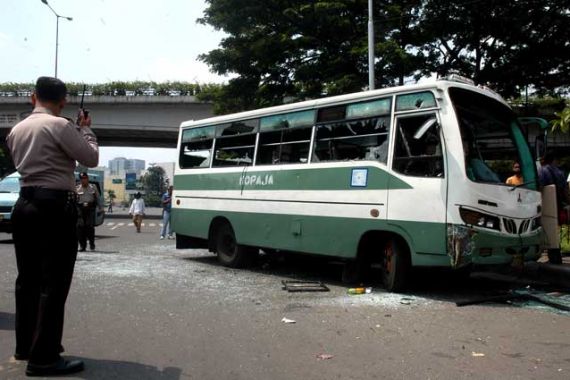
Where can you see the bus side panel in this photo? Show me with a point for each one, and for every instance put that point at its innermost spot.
(329, 236)
(192, 223)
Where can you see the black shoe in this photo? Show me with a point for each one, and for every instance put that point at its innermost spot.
(92, 247)
(61, 367)
(82, 249)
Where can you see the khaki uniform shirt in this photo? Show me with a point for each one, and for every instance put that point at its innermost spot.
(87, 195)
(45, 149)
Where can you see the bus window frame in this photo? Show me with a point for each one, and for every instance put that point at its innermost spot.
(440, 134)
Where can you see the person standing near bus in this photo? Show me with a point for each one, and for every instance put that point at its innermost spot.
(550, 174)
(137, 211)
(88, 201)
(516, 179)
(45, 148)
(166, 208)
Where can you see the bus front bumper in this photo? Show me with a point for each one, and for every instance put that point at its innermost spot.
(467, 245)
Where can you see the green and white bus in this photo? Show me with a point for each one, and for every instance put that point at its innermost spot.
(397, 177)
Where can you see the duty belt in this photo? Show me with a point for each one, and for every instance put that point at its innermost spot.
(44, 194)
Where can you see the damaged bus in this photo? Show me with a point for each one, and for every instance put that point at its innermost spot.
(410, 176)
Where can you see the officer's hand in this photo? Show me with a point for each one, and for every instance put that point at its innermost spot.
(84, 121)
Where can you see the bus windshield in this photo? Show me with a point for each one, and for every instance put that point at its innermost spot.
(492, 139)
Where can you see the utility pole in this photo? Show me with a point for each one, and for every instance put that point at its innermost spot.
(370, 46)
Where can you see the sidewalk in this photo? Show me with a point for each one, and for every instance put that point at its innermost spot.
(123, 213)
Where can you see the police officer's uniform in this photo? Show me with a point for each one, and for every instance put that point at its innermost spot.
(45, 149)
(87, 204)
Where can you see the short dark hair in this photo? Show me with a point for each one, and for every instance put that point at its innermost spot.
(49, 89)
(549, 157)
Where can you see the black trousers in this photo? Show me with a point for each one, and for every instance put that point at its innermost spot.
(45, 240)
(86, 225)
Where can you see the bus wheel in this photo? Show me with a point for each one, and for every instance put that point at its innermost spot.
(230, 253)
(395, 265)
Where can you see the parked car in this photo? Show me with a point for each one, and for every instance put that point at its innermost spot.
(9, 192)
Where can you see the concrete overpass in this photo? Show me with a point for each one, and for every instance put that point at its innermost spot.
(131, 121)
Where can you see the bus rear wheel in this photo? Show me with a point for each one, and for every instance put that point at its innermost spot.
(395, 265)
(230, 253)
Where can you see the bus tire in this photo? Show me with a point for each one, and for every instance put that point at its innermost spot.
(230, 253)
(395, 265)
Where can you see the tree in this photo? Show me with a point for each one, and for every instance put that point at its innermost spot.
(153, 184)
(280, 49)
(562, 121)
(111, 195)
(506, 44)
(299, 49)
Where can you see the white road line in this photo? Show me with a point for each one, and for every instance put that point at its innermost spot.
(118, 225)
(110, 224)
(152, 225)
(130, 224)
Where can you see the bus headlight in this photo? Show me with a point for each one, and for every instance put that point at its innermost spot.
(479, 219)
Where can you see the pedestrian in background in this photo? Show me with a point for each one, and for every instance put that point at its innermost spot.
(166, 208)
(137, 211)
(88, 202)
(45, 148)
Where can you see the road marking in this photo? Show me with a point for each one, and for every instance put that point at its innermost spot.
(152, 225)
(118, 225)
(131, 224)
(110, 224)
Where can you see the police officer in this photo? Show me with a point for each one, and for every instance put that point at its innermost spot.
(45, 147)
(88, 201)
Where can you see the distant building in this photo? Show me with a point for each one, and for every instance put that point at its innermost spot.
(121, 165)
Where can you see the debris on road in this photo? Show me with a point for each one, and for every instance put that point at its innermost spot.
(287, 320)
(523, 296)
(324, 356)
(406, 301)
(477, 354)
(304, 286)
(359, 290)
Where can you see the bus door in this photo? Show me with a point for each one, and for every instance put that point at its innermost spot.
(418, 210)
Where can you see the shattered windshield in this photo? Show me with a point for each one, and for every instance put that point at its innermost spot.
(492, 139)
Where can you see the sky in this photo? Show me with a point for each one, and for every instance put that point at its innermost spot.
(108, 40)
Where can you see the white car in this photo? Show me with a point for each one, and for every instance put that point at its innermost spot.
(9, 193)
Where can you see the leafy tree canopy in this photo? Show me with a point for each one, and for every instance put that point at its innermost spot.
(297, 49)
(153, 180)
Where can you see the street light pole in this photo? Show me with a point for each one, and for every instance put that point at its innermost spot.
(370, 46)
(57, 17)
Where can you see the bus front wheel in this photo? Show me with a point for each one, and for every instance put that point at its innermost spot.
(230, 253)
(395, 265)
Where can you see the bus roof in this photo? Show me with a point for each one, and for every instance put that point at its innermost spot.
(339, 99)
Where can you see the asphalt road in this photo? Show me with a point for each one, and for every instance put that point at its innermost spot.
(140, 309)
